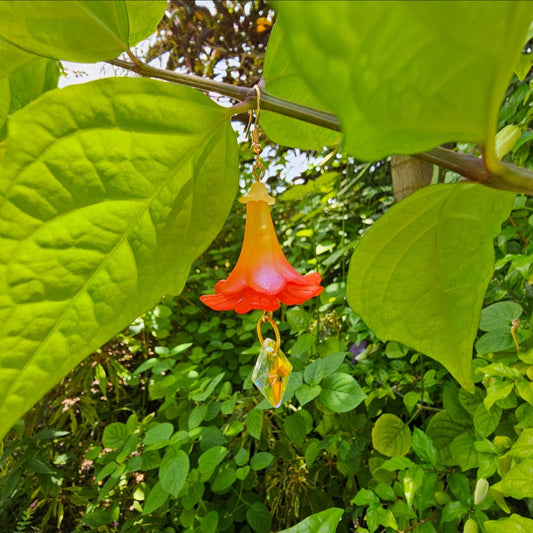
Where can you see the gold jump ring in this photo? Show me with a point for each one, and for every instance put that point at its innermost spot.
(268, 318)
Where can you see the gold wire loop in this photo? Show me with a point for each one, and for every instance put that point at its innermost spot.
(267, 317)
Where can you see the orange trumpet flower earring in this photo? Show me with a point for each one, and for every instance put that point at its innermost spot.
(261, 279)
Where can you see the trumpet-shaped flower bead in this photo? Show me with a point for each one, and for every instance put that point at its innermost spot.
(262, 277)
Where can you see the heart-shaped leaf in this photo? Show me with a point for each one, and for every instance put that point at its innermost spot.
(419, 275)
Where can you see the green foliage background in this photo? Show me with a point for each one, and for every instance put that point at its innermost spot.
(110, 192)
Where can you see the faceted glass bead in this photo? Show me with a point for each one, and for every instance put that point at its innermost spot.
(271, 372)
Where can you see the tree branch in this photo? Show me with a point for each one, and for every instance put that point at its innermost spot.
(269, 102)
(504, 176)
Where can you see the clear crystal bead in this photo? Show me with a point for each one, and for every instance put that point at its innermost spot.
(271, 372)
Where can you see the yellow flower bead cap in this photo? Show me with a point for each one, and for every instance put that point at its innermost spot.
(258, 193)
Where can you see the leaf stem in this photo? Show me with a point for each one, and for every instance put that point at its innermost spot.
(494, 174)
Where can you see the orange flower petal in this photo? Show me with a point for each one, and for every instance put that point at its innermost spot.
(262, 276)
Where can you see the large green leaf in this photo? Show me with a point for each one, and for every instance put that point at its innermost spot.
(103, 195)
(282, 80)
(143, 16)
(5, 102)
(404, 77)
(81, 30)
(419, 275)
(11, 57)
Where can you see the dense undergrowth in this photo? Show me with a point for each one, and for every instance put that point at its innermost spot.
(162, 430)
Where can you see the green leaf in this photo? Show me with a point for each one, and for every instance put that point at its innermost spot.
(254, 423)
(314, 373)
(423, 447)
(451, 404)
(96, 519)
(453, 511)
(390, 436)
(442, 430)
(322, 368)
(241, 457)
(83, 30)
(323, 522)
(397, 463)
(143, 17)
(158, 435)
(173, 471)
(209, 522)
(155, 499)
(420, 273)
(524, 416)
(365, 497)
(295, 428)
(385, 492)
(425, 496)
(12, 57)
(485, 422)
(377, 516)
(103, 187)
(224, 479)
(282, 80)
(499, 315)
(306, 393)
(24, 84)
(196, 416)
(525, 390)
(108, 469)
(421, 81)
(463, 452)
(518, 482)
(497, 390)
(261, 460)
(242, 472)
(115, 435)
(469, 400)
(402, 510)
(498, 340)
(298, 319)
(5, 101)
(332, 362)
(514, 524)
(31, 80)
(323, 184)
(460, 487)
(341, 393)
(210, 459)
(259, 517)
(523, 447)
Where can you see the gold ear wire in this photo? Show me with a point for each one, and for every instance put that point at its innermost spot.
(258, 168)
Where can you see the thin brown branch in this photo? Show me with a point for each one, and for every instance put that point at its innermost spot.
(503, 176)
